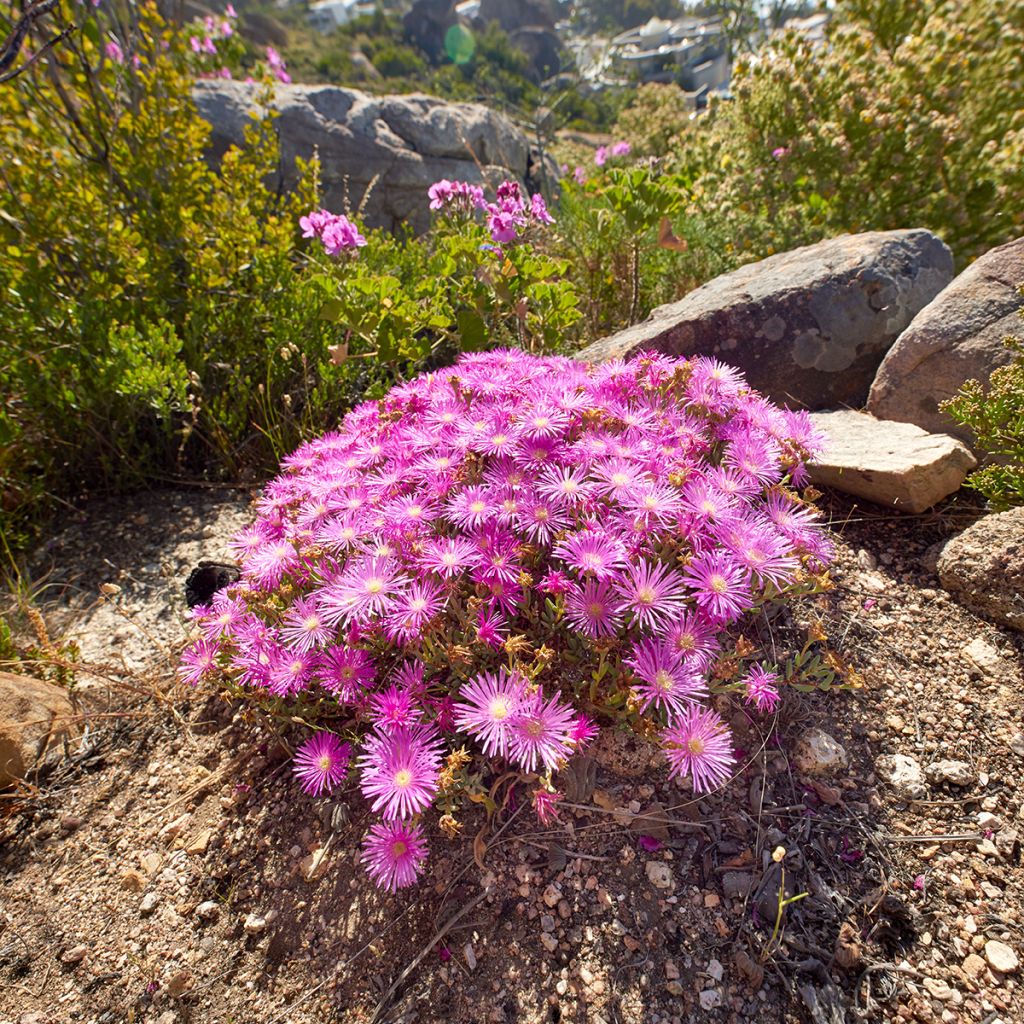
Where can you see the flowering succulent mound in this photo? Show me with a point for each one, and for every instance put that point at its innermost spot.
(502, 554)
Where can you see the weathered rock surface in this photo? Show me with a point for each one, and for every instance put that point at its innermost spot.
(983, 567)
(34, 717)
(904, 774)
(817, 753)
(958, 336)
(807, 327)
(895, 464)
(378, 153)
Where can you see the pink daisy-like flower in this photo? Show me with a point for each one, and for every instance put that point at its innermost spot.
(394, 708)
(393, 854)
(721, 587)
(555, 582)
(592, 552)
(594, 609)
(583, 731)
(346, 671)
(198, 661)
(541, 732)
(470, 508)
(487, 706)
(665, 682)
(491, 627)
(652, 592)
(699, 744)
(304, 627)
(449, 556)
(414, 609)
(399, 770)
(693, 636)
(321, 763)
(370, 587)
(762, 688)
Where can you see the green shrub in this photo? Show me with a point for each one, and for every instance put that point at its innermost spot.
(996, 417)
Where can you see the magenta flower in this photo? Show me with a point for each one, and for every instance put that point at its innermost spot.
(762, 688)
(721, 587)
(545, 805)
(652, 593)
(699, 744)
(394, 854)
(198, 661)
(321, 763)
(335, 231)
(489, 703)
(664, 680)
(620, 149)
(540, 732)
(399, 770)
(595, 609)
(113, 50)
(598, 554)
(304, 626)
(601, 156)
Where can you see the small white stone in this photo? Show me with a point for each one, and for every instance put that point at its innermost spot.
(470, 956)
(710, 998)
(659, 874)
(715, 970)
(149, 903)
(1000, 957)
(957, 773)
(818, 753)
(207, 910)
(254, 925)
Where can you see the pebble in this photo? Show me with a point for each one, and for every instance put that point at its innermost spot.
(133, 881)
(470, 956)
(73, 956)
(1000, 957)
(1017, 743)
(671, 970)
(659, 874)
(547, 922)
(974, 967)
(938, 989)
(254, 925)
(710, 998)
(957, 773)
(551, 896)
(149, 903)
(208, 910)
(549, 942)
(817, 753)
(904, 774)
(200, 842)
(715, 970)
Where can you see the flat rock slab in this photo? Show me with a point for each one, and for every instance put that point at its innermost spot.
(957, 337)
(34, 717)
(983, 567)
(807, 327)
(889, 463)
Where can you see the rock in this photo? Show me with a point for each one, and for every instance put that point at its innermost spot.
(983, 567)
(709, 999)
(208, 910)
(957, 773)
(1016, 743)
(737, 884)
(35, 716)
(818, 753)
(808, 327)
(889, 463)
(470, 956)
(378, 152)
(199, 842)
(938, 989)
(904, 774)
(974, 967)
(133, 881)
(984, 656)
(958, 336)
(150, 862)
(73, 956)
(149, 903)
(254, 925)
(659, 874)
(715, 970)
(549, 942)
(1000, 957)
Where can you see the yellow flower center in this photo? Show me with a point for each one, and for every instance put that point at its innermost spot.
(310, 623)
(477, 507)
(498, 440)
(535, 729)
(324, 764)
(620, 479)
(646, 595)
(663, 681)
(541, 421)
(541, 515)
(403, 778)
(398, 848)
(415, 511)
(719, 584)
(374, 585)
(499, 708)
(595, 610)
(695, 745)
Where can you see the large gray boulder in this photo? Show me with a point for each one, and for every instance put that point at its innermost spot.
(807, 327)
(983, 567)
(958, 336)
(379, 154)
(893, 464)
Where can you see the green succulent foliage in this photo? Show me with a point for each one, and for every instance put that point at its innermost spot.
(995, 415)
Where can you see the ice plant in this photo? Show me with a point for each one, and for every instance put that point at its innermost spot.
(460, 568)
(321, 763)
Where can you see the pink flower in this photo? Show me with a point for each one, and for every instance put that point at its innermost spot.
(399, 770)
(664, 680)
(652, 593)
(113, 50)
(580, 174)
(762, 688)
(601, 156)
(540, 732)
(487, 707)
(394, 854)
(545, 805)
(594, 609)
(321, 763)
(699, 744)
(779, 152)
(620, 149)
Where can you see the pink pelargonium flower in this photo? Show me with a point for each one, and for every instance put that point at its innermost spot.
(601, 156)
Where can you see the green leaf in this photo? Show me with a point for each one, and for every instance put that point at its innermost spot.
(472, 330)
